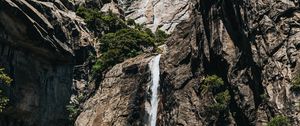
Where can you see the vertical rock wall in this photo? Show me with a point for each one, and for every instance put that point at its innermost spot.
(37, 44)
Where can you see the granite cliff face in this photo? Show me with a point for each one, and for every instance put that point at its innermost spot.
(38, 43)
(157, 14)
(252, 45)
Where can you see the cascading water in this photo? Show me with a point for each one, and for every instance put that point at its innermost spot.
(154, 68)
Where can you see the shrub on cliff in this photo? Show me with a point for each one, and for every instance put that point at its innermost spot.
(116, 47)
(223, 97)
(279, 121)
(296, 84)
(222, 101)
(216, 107)
(130, 22)
(214, 85)
(211, 83)
(73, 111)
(74, 108)
(4, 79)
(117, 40)
(100, 22)
(160, 36)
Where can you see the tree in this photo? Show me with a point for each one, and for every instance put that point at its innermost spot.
(124, 44)
(222, 102)
(296, 84)
(101, 22)
(279, 121)
(211, 83)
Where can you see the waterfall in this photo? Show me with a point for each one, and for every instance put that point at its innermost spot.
(154, 68)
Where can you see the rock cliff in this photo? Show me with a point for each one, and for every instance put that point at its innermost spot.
(253, 46)
(39, 42)
(157, 14)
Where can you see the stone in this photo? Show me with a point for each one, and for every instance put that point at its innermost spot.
(38, 40)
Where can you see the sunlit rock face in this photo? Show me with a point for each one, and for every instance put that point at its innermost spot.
(157, 14)
(252, 45)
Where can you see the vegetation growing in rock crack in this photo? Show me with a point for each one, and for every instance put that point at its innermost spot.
(124, 44)
(6, 80)
(223, 99)
(101, 22)
(74, 108)
(211, 83)
(279, 121)
(264, 96)
(116, 47)
(296, 84)
(214, 85)
(119, 39)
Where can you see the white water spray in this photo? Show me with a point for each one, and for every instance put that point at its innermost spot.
(154, 67)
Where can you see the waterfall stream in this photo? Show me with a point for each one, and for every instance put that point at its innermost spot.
(154, 68)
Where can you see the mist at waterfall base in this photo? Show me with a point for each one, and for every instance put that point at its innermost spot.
(154, 68)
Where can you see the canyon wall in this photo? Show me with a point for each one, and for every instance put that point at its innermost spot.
(252, 45)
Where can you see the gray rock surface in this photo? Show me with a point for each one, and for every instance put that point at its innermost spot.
(120, 99)
(252, 45)
(38, 43)
(157, 14)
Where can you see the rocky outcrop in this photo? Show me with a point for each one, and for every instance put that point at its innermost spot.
(252, 45)
(113, 7)
(120, 99)
(157, 14)
(39, 42)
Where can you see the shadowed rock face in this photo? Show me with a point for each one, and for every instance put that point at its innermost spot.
(38, 41)
(252, 46)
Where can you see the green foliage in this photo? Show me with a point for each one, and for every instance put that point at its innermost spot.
(216, 107)
(139, 26)
(3, 102)
(296, 84)
(211, 83)
(118, 41)
(130, 22)
(223, 97)
(74, 107)
(116, 47)
(160, 36)
(101, 22)
(264, 96)
(279, 121)
(149, 32)
(73, 111)
(4, 79)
